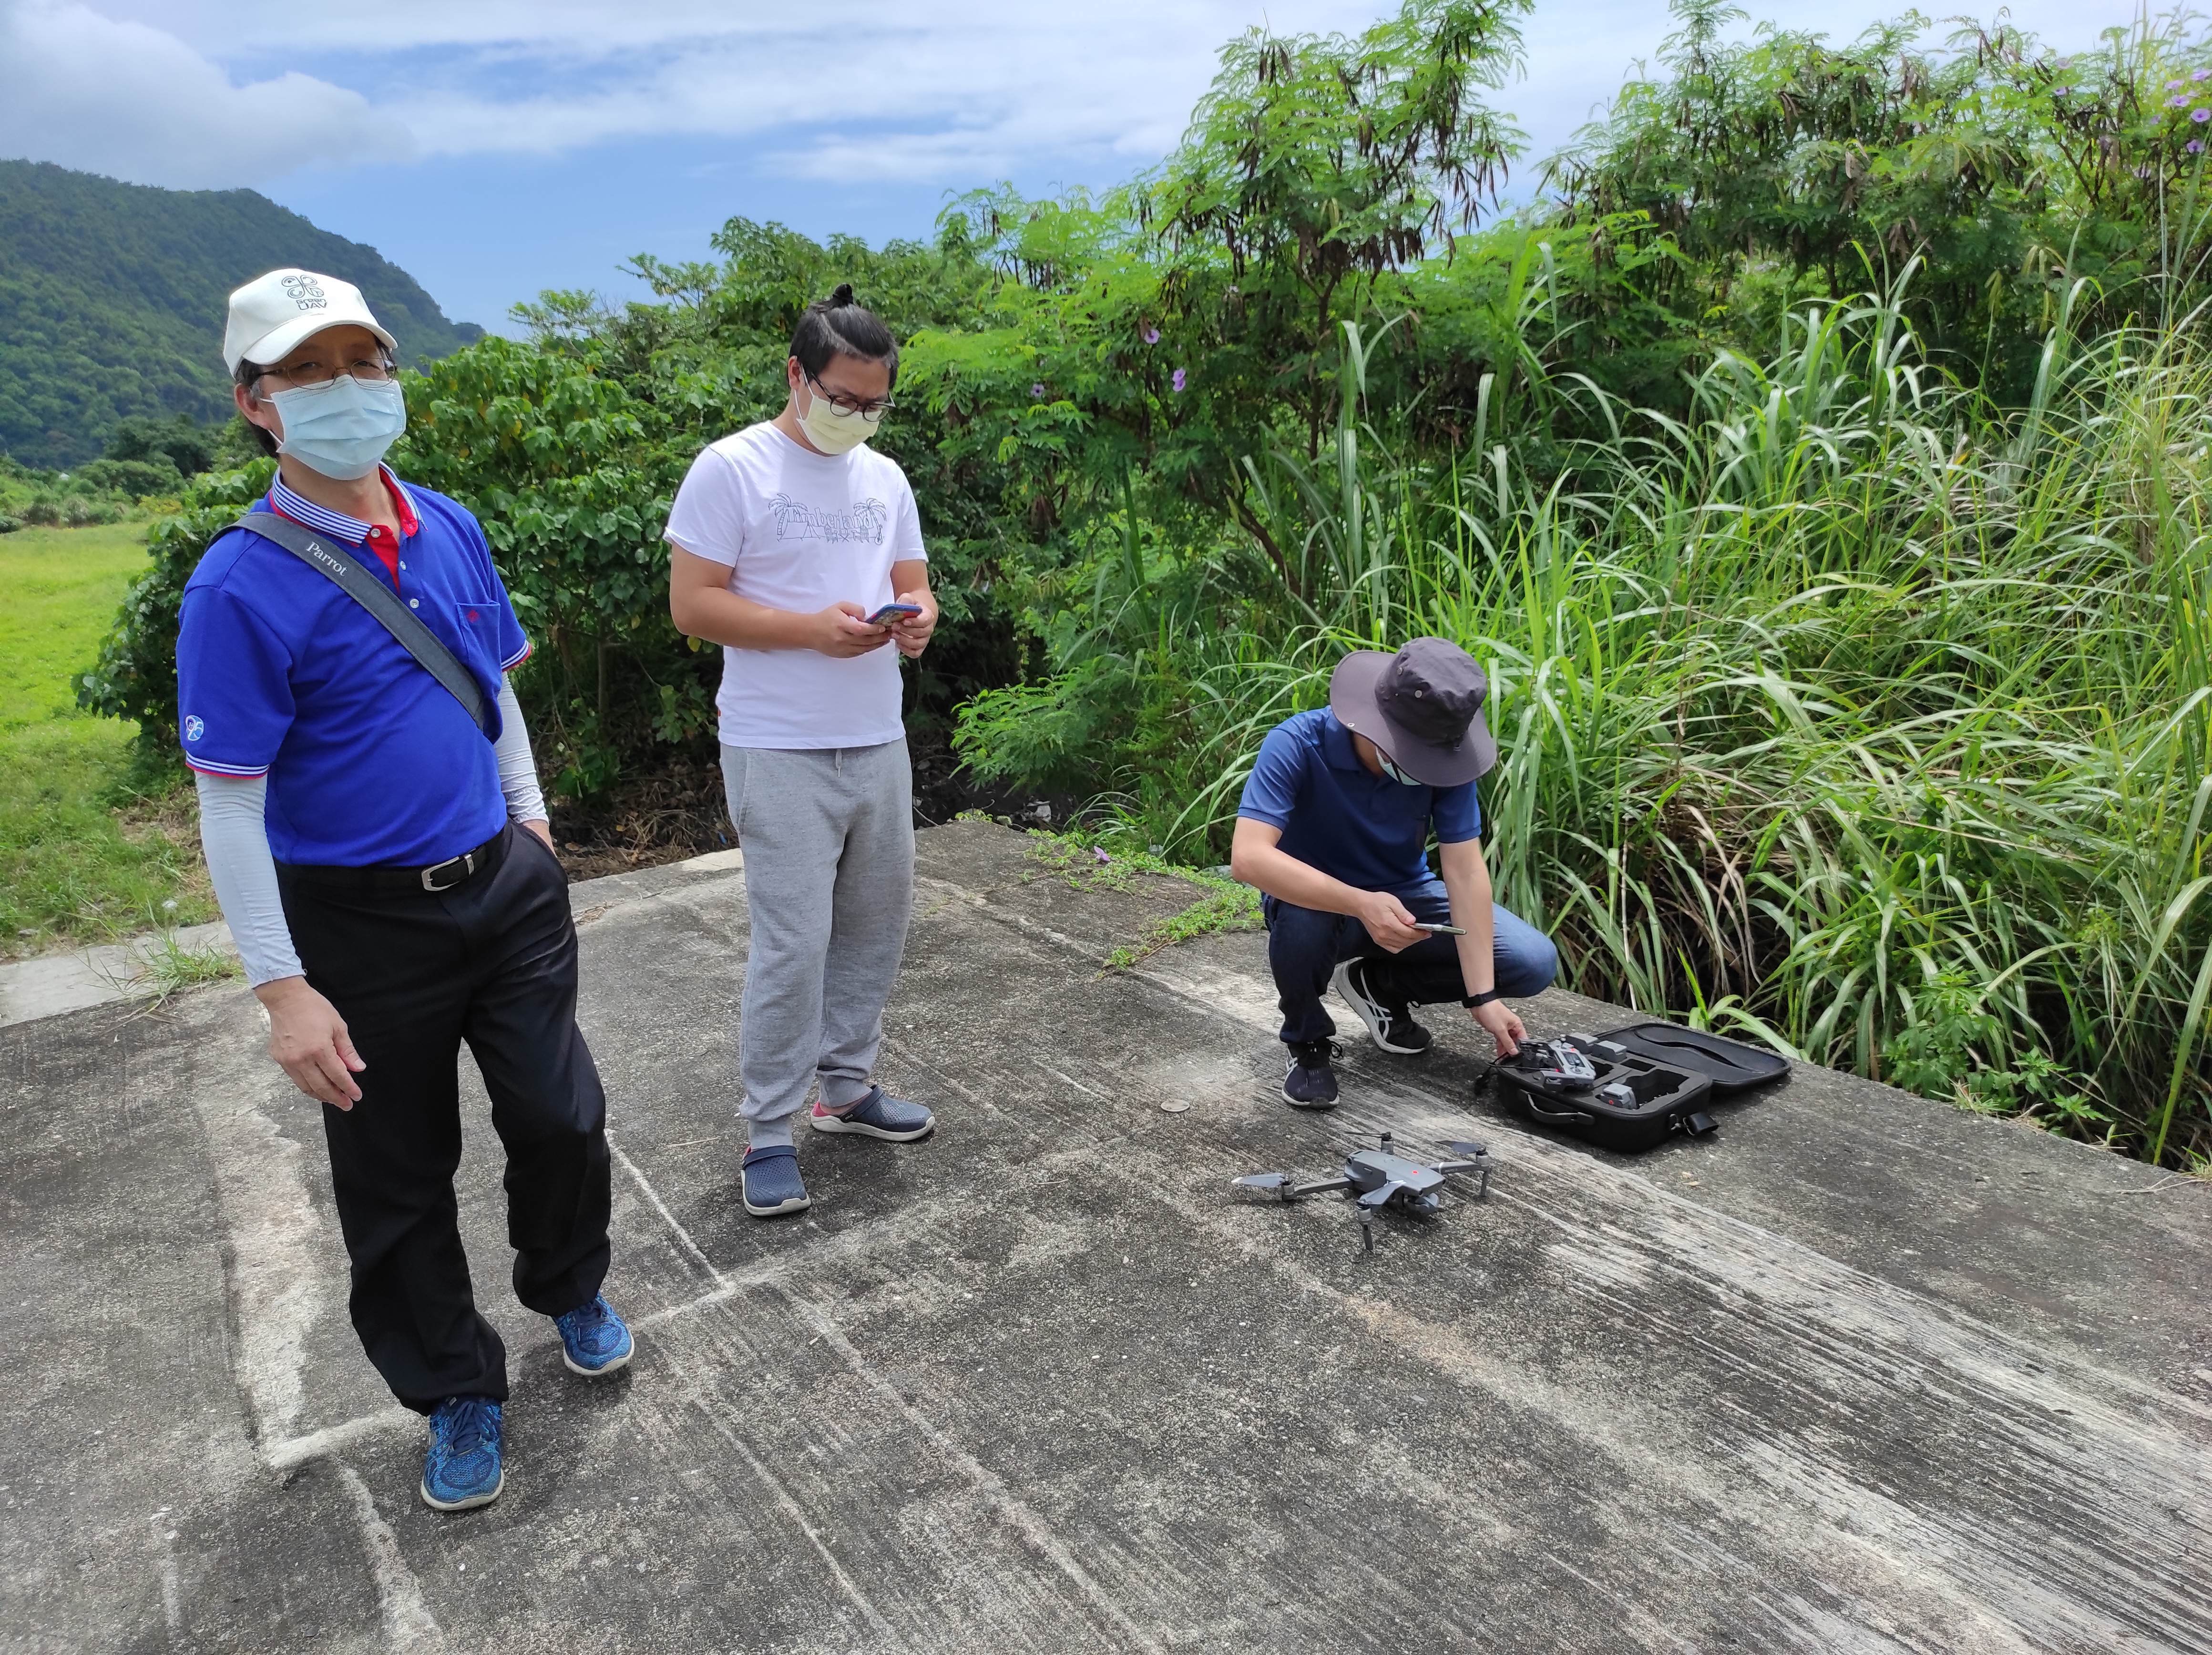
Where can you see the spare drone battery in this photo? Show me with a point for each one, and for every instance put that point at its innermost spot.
(1635, 1103)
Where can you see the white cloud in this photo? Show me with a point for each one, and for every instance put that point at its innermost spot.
(945, 91)
(131, 100)
(886, 92)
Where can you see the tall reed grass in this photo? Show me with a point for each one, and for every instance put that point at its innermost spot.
(1848, 712)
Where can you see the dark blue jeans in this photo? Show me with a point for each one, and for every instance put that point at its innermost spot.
(1305, 947)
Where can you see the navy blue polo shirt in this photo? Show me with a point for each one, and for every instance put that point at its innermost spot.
(1366, 830)
(370, 759)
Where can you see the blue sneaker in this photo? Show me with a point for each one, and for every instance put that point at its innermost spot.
(772, 1183)
(878, 1115)
(463, 1471)
(594, 1339)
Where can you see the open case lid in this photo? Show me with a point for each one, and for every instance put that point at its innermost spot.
(1732, 1066)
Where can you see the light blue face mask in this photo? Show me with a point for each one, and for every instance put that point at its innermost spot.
(340, 429)
(1393, 773)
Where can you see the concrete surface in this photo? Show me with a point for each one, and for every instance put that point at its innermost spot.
(1865, 1373)
(49, 985)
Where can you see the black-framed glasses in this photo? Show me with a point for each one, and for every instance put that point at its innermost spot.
(312, 373)
(844, 404)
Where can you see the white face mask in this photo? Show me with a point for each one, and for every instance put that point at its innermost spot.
(343, 428)
(832, 430)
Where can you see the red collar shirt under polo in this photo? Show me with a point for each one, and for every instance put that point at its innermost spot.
(370, 759)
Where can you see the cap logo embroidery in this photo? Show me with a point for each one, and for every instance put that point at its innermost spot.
(306, 293)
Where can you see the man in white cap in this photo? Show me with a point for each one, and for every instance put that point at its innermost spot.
(373, 822)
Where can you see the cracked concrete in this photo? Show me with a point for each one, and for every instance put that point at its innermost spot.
(1865, 1373)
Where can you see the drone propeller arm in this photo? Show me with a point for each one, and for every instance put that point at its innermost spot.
(1479, 1168)
(1280, 1185)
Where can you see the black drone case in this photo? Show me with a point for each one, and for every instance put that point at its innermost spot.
(1672, 1072)
(1732, 1066)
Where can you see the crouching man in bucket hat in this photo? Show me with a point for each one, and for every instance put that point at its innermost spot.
(372, 819)
(1333, 829)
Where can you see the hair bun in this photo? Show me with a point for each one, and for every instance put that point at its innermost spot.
(843, 295)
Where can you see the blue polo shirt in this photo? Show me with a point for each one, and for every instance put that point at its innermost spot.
(1368, 831)
(370, 759)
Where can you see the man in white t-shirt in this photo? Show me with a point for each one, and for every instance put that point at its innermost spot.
(797, 547)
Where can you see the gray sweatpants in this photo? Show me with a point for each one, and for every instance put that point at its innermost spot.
(827, 835)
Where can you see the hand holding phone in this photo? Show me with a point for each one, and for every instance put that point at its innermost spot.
(894, 612)
(1438, 930)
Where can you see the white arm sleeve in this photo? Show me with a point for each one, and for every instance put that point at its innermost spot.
(235, 841)
(518, 770)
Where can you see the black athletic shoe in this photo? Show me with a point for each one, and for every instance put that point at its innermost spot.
(1311, 1083)
(1393, 1026)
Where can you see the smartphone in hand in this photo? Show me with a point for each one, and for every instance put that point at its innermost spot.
(1440, 930)
(894, 612)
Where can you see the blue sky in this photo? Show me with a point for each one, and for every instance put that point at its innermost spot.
(495, 147)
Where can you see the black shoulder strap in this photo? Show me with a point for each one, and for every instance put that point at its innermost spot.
(368, 590)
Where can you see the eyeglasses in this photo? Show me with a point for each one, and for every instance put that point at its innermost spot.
(310, 374)
(844, 404)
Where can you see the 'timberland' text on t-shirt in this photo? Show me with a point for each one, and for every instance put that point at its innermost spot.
(800, 531)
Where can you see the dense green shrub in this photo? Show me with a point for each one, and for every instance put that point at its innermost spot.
(135, 676)
(133, 479)
(187, 447)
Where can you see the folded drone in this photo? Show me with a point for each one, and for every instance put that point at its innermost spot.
(1377, 1179)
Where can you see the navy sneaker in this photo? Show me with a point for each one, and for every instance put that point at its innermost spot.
(594, 1339)
(1311, 1083)
(463, 1471)
(772, 1183)
(878, 1115)
(1393, 1026)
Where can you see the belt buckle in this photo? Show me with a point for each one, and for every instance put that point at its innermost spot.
(468, 862)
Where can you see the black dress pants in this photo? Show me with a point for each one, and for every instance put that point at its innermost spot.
(414, 973)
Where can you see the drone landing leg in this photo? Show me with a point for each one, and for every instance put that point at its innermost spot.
(1366, 1230)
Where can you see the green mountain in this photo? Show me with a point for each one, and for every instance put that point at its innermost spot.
(112, 300)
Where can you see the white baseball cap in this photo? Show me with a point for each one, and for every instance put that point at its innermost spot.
(273, 312)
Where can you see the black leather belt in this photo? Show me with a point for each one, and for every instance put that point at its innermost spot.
(439, 877)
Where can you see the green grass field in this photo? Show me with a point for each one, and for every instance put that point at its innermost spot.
(92, 845)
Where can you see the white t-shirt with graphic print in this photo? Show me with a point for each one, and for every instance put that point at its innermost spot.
(800, 532)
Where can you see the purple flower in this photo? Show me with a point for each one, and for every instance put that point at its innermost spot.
(2193, 146)
(2061, 91)
(2174, 85)
(2178, 100)
(1099, 853)
(1036, 392)
(1178, 381)
(2202, 75)
(1151, 335)
(2200, 116)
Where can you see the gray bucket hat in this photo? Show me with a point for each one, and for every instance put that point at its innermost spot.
(1422, 707)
